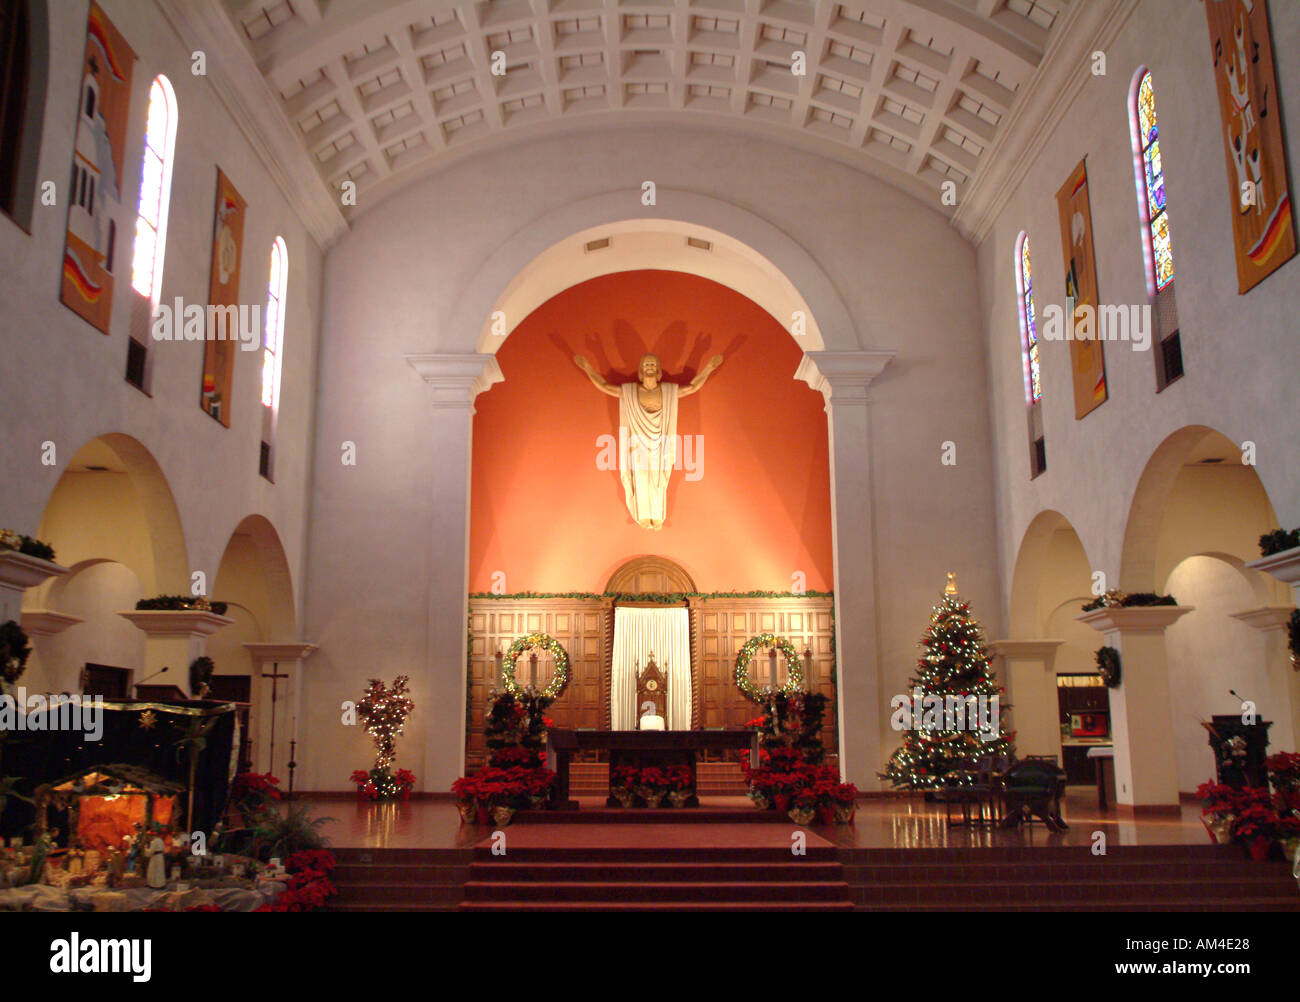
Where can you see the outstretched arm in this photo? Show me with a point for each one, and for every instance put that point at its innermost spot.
(698, 381)
(595, 377)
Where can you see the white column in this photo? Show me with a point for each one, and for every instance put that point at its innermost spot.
(288, 660)
(454, 381)
(18, 572)
(843, 378)
(1028, 672)
(1141, 710)
(173, 639)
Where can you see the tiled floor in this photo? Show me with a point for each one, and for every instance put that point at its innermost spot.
(880, 823)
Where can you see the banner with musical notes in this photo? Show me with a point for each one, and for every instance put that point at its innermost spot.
(1260, 201)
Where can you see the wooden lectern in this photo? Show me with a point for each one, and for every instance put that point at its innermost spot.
(1239, 750)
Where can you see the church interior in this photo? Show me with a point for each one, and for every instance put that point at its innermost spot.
(590, 455)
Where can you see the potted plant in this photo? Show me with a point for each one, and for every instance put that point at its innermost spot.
(1219, 805)
(845, 796)
(466, 792)
(679, 785)
(621, 781)
(803, 807)
(651, 785)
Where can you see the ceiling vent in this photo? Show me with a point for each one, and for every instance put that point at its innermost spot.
(595, 245)
(697, 242)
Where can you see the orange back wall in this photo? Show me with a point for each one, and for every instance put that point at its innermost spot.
(547, 517)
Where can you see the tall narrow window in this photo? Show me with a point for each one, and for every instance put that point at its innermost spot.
(1029, 354)
(13, 95)
(151, 226)
(272, 351)
(1153, 218)
(155, 187)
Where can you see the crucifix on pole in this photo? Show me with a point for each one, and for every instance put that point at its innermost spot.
(274, 675)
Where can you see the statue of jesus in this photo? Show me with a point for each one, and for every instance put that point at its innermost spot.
(647, 417)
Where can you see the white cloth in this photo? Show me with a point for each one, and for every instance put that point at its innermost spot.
(648, 451)
(652, 722)
(637, 632)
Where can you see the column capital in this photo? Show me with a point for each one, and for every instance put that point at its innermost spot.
(457, 379)
(177, 622)
(289, 651)
(1266, 617)
(1285, 566)
(1025, 650)
(47, 622)
(843, 375)
(1135, 618)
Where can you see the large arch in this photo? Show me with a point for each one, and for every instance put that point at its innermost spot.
(755, 254)
(1177, 508)
(113, 502)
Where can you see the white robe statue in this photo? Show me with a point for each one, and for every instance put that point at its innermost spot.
(647, 452)
(647, 417)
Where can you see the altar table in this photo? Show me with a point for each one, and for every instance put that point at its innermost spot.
(638, 748)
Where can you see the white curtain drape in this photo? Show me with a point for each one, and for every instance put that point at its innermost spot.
(637, 632)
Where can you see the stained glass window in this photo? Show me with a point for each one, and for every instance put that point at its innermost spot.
(155, 187)
(1028, 325)
(1145, 131)
(273, 328)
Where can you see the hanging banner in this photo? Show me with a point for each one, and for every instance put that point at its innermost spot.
(97, 247)
(223, 291)
(1087, 362)
(1259, 198)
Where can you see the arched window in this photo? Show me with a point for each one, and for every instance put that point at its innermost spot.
(1028, 325)
(273, 329)
(1029, 355)
(1153, 219)
(1144, 130)
(155, 189)
(272, 351)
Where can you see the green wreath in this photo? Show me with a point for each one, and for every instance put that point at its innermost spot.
(546, 642)
(13, 651)
(1108, 665)
(792, 684)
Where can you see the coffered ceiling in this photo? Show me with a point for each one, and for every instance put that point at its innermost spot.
(379, 91)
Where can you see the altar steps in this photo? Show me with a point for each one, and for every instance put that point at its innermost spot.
(636, 878)
(396, 880)
(1068, 878)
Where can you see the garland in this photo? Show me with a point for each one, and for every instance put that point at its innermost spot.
(1116, 598)
(661, 598)
(1277, 541)
(1293, 631)
(174, 603)
(26, 545)
(547, 643)
(1108, 665)
(752, 692)
(14, 651)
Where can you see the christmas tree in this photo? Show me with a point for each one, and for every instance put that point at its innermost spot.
(953, 715)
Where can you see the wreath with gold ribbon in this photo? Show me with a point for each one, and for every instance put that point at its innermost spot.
(1108, 666)
(545, 642)
(794, 664)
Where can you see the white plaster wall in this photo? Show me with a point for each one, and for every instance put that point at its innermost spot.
(907, 280)
(1240, 352)
(1210, 653)
(62, 380)
(96, 593)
